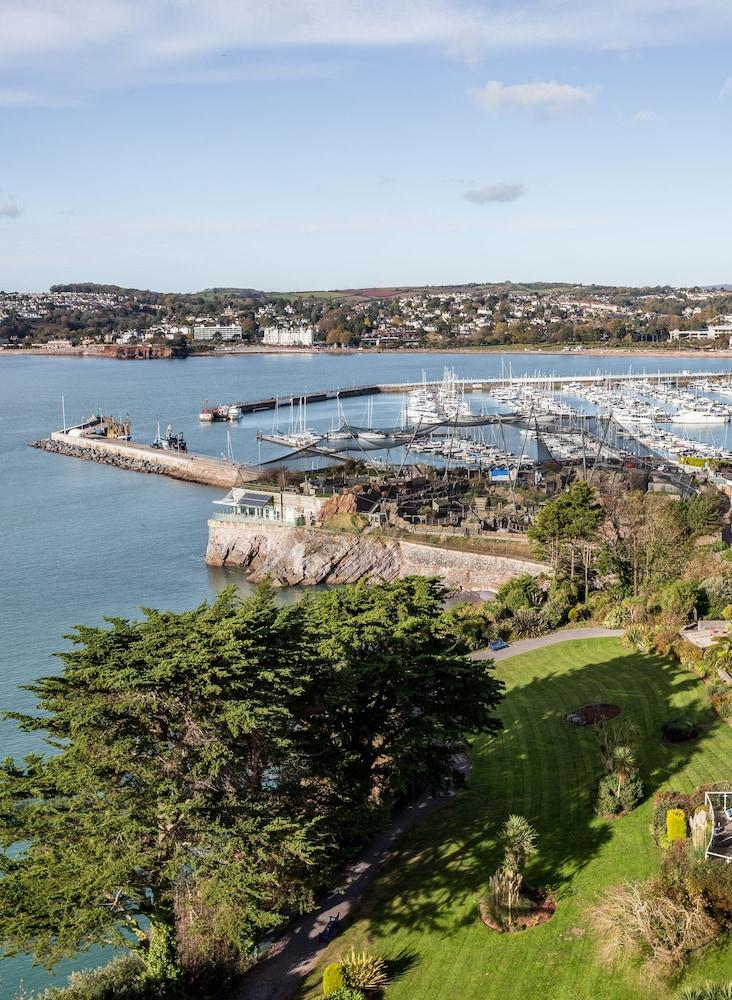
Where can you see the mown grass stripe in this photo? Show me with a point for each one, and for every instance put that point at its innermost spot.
(424, 903)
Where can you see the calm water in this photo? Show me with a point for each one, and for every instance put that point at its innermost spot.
(80, 540)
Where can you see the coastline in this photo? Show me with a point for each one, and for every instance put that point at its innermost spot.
(601, 352)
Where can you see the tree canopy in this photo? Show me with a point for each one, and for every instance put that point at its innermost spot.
(211, 766)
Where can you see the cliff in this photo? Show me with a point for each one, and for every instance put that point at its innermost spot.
(292, 556)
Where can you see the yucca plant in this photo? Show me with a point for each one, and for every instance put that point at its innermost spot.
(363, 971)
(708, 991)
(527, 623)
(518, 838)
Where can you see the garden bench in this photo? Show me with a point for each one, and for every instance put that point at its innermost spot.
(330, 928)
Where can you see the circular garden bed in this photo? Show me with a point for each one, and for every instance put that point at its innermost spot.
(590, 715)
(535, 907)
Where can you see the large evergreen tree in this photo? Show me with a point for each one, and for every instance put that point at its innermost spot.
(211, 765)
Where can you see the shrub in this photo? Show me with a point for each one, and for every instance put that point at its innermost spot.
(528, 623)
(676, 825)
(333, 978)
(679, 728)
(579, 613)
(120, 979)
(363, 971)
(521, 592)
(720, 698)
(555, 612)
(641, 921)
(663, 640)
(631, 793)
(718, 593)
(471, 624)
(708, 991)
(346, 993)
(618, 617)
(691, 658)
(606, 803)
(639, 637)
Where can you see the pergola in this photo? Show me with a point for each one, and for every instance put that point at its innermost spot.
(719, 810)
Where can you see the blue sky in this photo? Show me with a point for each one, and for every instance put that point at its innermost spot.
(293, 144)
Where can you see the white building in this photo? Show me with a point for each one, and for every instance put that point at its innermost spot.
(230, 332)
(289, 336)
(711, 333)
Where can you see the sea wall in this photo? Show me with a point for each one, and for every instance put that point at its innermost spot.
(290, 556)
(142, 458)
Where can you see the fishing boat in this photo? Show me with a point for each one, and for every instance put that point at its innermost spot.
(170, 441)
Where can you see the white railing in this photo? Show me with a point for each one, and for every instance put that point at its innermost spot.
(726, 799)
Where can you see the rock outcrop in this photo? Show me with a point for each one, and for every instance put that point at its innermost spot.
(289, 556)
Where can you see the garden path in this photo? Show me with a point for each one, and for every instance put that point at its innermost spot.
(524, 645)
(278, 975)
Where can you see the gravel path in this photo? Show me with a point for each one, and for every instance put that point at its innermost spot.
(524, 645)
(296, 953)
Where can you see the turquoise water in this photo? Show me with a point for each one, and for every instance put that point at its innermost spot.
(80, 540)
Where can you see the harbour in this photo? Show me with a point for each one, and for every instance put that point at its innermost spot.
(147, 535)
(572, 418)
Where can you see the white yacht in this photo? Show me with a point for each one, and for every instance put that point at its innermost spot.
(701, 416)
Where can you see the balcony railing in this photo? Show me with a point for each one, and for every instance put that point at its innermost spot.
(293, 520)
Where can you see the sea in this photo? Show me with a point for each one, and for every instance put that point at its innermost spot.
(80, 540)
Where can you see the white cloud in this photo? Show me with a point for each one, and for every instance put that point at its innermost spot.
(76, 46)
(646, 116)
(726, 90)
(544, 100)
(494, 193)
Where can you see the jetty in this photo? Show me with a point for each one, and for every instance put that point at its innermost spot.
(545, 381)
(88, 441)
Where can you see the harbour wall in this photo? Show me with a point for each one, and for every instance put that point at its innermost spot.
(302, 555)
(185, 466)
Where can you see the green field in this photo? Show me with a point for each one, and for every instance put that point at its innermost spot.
(422, 911)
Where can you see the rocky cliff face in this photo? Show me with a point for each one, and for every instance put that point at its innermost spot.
(300, 555)
(290, 556)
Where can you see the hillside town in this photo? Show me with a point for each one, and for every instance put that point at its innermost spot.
(135, 323)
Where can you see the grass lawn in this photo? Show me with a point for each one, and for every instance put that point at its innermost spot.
(422, 911)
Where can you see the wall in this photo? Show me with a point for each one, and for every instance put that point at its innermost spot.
(292, 556)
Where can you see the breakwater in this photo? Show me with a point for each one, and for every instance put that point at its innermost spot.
(300, 555)
(133, 457)
(548, 381)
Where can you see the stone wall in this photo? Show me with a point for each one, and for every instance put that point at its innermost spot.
(292, 556)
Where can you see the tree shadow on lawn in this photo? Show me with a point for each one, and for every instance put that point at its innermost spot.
(543, 768)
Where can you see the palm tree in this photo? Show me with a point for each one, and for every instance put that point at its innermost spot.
(623, 765)
(519, 842)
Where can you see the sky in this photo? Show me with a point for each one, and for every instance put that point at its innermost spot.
(302, 144)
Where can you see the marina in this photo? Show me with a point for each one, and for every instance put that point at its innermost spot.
(502, 425)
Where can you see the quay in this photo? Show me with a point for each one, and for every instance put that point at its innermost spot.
(183, 465)
(545, 381)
